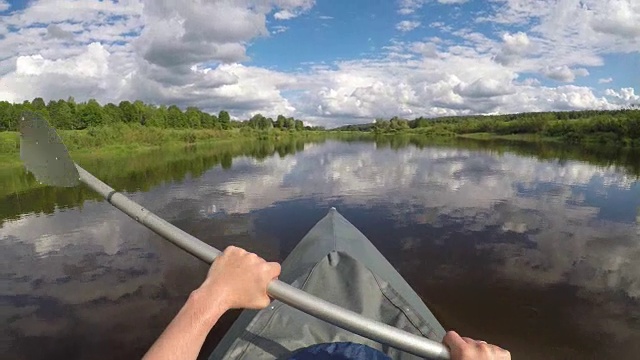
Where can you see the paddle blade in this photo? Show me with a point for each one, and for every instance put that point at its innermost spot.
(44, 154)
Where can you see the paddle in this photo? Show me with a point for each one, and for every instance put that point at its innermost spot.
(45, 155)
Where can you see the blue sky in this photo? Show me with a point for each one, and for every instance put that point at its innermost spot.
(329, 62)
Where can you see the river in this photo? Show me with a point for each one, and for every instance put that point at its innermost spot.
(532, 249)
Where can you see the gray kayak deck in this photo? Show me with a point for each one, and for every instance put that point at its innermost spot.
(337, 263)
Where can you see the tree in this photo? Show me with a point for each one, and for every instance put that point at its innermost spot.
(141, 112)
(381, 125)
(175, 117)
(289, 123)
(112, 114)
(38, 104)
(280, 121)
(225, 119)
(193, 117)
(206, 120)
(258, 121)
(90, 114)
(61, 115)
(158, 117)
(299, 125)
(129, 113)
(6, 117)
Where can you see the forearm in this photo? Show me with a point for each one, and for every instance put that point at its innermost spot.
(184, 336)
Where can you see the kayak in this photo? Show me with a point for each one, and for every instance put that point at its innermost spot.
(336, 263)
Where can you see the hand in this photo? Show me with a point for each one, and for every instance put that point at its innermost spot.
(464, 348)
(239, 279)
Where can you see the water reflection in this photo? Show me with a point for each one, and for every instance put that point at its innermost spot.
(537, 255)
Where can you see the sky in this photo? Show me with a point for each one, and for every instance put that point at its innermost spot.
(327, 62)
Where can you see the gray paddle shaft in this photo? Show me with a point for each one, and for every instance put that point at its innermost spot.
(294, 297)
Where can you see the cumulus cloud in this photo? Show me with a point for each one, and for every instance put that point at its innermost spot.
(626, 95)
(564, 73)
(605, 80)
(4, 5)
(483, 88)
(407, 25)
(622, 18)
(513, 48)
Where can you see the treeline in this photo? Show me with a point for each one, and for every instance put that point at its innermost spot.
(576, 126)
(70, 115)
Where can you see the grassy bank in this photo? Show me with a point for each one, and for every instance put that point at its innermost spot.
(125, 139)
(512, 137)
(598, 127)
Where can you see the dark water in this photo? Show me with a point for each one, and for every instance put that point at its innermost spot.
(536, 249)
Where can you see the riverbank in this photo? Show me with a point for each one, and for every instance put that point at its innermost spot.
(599, 138)
(123, 139)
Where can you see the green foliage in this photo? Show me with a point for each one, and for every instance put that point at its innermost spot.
(619, 127)
(225, 120)
(69, 115)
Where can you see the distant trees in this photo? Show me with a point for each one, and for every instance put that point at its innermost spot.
(69, 115)
(225, 120)
(617, 126)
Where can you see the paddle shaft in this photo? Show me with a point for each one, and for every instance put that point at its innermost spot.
(277, 289)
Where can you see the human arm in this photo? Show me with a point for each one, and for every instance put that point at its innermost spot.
(237, 279)
(464, 348)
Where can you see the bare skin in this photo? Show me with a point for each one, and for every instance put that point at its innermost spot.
(238, 280)
(464, 348)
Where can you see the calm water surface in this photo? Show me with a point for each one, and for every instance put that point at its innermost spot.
(538, 256)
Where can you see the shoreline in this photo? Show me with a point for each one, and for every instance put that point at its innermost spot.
(107, 142)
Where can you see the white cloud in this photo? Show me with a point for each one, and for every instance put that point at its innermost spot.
(568, 25)
(279, 29)
(4, 5)
(284, 15)
(407, 25)
(514, 47)
(289, 9)
(325, 17)
(564, 73)
(410, 6)
(605, 80)
(484, 88)
(627, 95)
(426, 49)
(621, 18)
(407, 7)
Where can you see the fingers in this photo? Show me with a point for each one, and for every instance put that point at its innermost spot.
(272, 269)
(468, 348)
(453, 340)
(233, 250)
(469, 340)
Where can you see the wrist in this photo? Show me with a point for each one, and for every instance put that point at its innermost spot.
(209, 303)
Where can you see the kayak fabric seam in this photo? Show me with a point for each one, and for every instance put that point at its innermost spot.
(413, 318)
